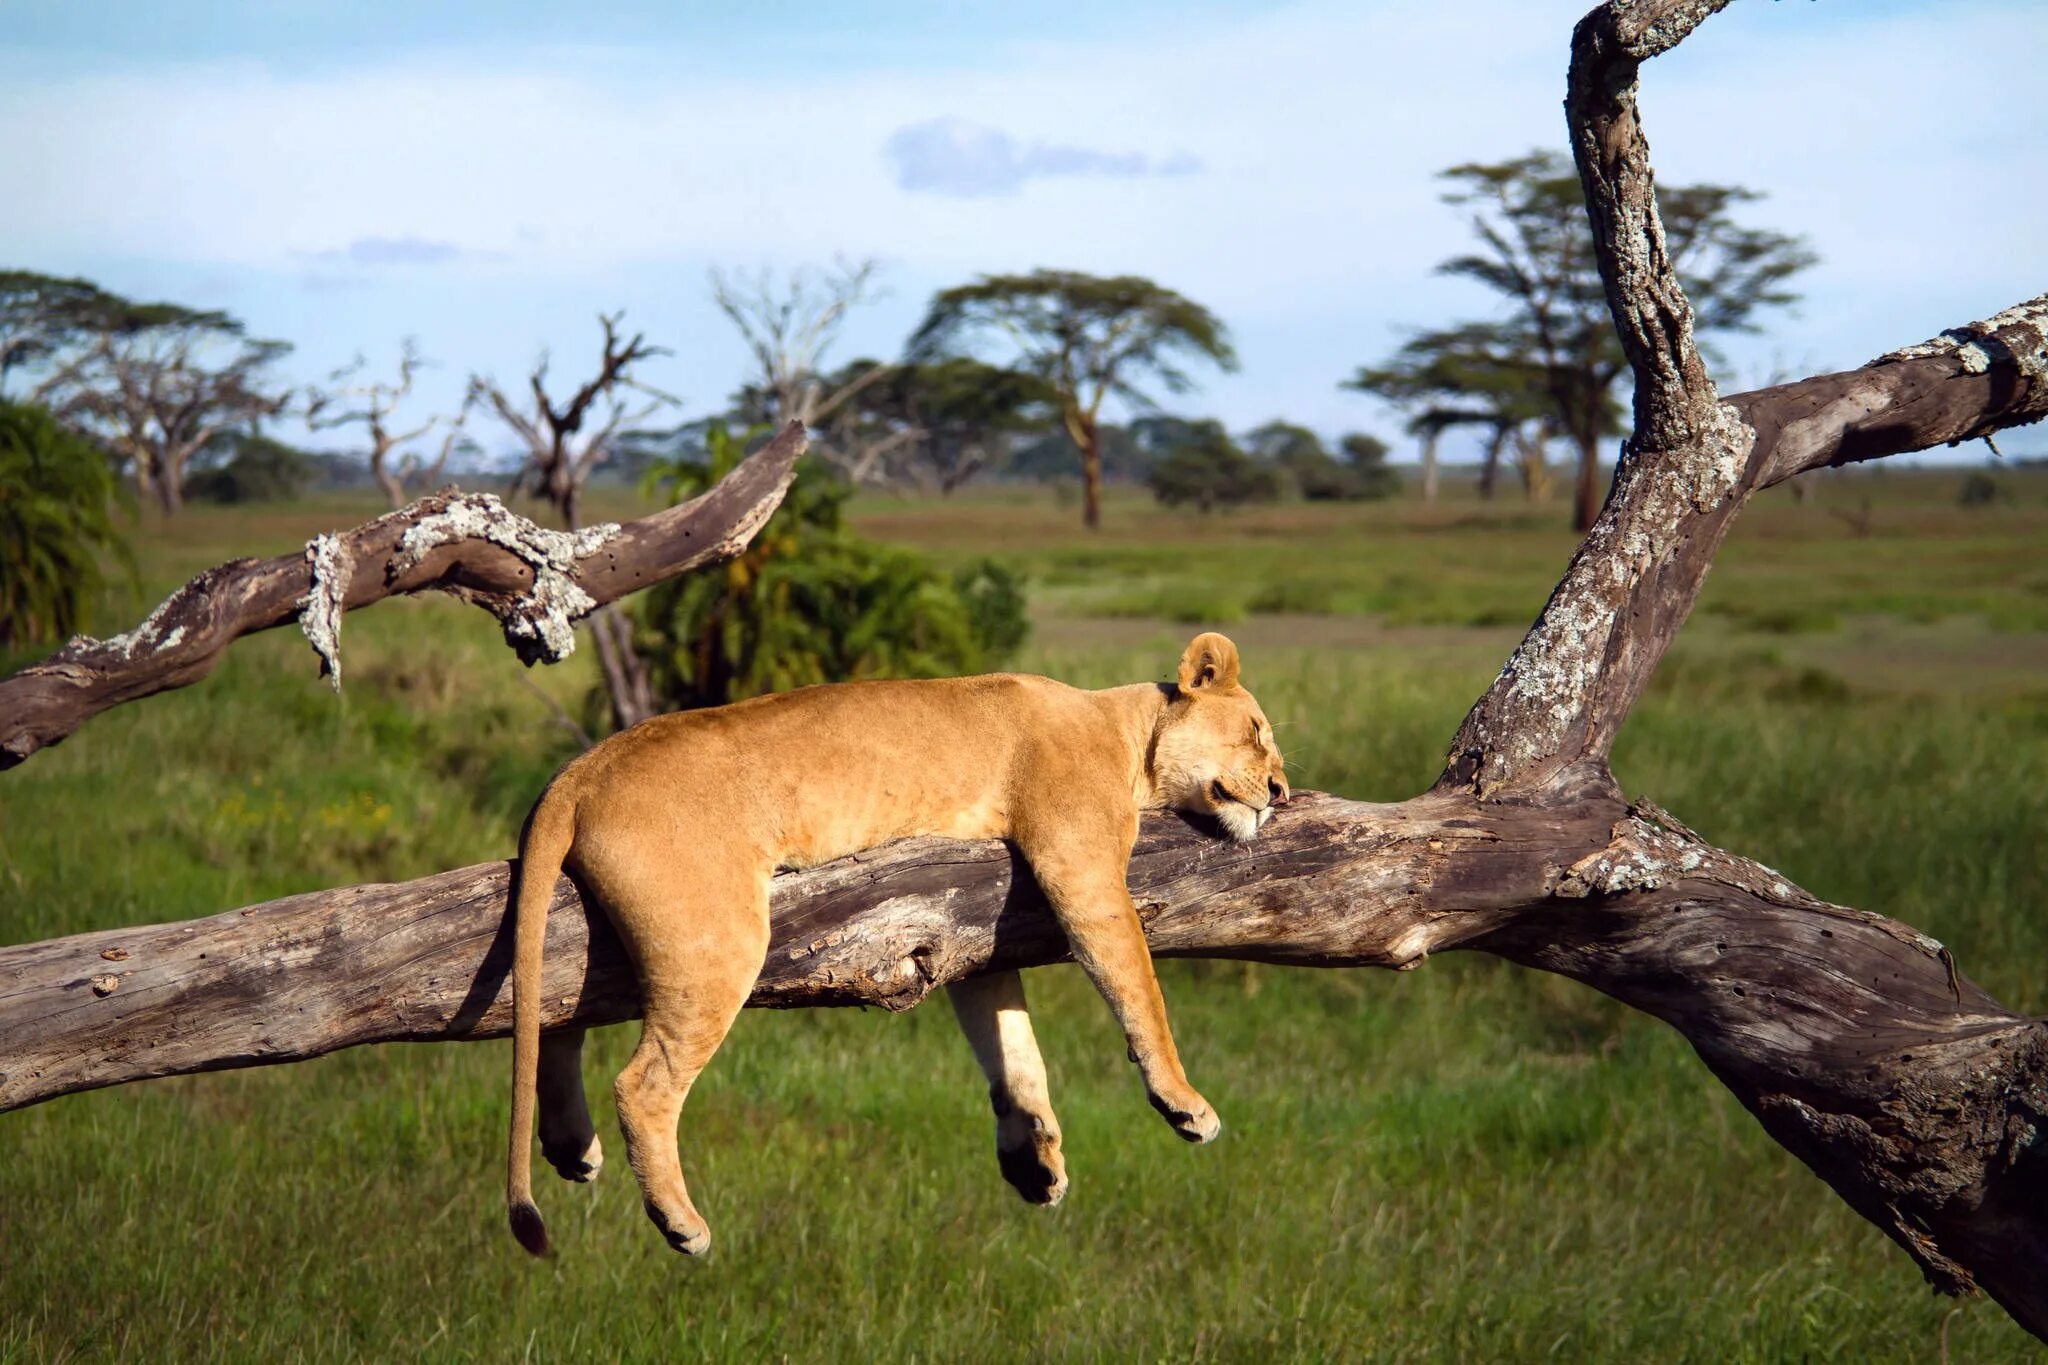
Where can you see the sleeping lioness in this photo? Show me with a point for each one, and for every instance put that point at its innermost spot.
(677, 825)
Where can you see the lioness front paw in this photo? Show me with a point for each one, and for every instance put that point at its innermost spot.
(691, 1236)
(1194, 1119)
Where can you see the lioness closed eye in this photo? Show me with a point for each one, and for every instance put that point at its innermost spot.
(676, 826)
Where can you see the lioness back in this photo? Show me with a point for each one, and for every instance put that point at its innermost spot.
(811, 775)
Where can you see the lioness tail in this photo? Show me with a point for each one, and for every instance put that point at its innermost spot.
(549, 832)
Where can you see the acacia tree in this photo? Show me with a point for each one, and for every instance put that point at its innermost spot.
(1856, 1042)
(1539, 257)
(562, 450)
(1086, 336)
(158, 381)
(42, 317)
(1467, 377)
(372, 407)
(959, 415)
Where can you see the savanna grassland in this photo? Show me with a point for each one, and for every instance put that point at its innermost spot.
(1467, 1162)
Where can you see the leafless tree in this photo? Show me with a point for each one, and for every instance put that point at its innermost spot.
(158, 383)
(372, 406)
(788, 324)
(563, 447)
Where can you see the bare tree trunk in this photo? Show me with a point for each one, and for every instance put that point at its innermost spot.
(627, 679)
(1489, 471)
(1533, 464)
(1091, 475)
(1429, 473)
(170, 491)
(393, 489)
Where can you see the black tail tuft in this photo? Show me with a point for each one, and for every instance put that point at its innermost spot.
(529, 1229)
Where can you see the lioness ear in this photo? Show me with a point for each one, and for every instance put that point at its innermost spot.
(1209, 664)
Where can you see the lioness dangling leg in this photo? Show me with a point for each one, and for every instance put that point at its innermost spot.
(568, 1139)
(993, 1015)
(696, 970)
(1081, 861)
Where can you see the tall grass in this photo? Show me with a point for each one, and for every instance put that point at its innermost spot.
(1466, 1162)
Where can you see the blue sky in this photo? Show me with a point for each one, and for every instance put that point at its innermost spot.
(489, 176)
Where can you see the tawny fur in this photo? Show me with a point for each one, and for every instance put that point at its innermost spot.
(676, 827)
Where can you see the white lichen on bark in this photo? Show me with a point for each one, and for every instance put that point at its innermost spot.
(149, 636)
(1555, 671)
(2018, 336)
(540, 625)
(333, 565)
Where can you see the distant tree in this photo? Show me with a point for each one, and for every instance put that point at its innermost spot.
(1209, 470)
(937, 423)
(561, 451)
(1308, 465)
(242, 466)
(1054, 456)
(1087, 337)
(44, 316)
(1979, 489)
(788, 325)
(1470, 377)
(809, 602)
(157, 381)
(1538, 255)
(372, 406)
(57, 526)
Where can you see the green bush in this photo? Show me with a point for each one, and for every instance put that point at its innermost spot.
(57, 493)
(1210, 471)
(245, 467)
(810, 602)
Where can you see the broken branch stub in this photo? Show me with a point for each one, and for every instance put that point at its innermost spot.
(537, 582)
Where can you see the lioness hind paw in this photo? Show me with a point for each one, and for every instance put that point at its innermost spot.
(580, 1167)
(1036, 1180)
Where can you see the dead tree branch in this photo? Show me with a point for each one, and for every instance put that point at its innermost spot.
(537, 583)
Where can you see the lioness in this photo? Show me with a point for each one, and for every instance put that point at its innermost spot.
(677, 825)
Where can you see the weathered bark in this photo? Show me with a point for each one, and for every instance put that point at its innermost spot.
(535, 582)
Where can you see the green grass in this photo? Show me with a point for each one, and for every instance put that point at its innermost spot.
(1465, 1162)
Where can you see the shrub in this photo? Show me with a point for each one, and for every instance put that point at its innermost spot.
(810, 602)
(1980, 490)
(245, 467)
(1210, 471)
(57, 526)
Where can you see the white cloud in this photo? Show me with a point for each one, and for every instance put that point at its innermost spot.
(1900, 143)
(965, 160)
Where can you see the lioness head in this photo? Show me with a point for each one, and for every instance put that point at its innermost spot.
(1213, 753)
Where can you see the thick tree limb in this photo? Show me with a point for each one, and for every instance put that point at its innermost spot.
(1851, 1037)
(536, 582)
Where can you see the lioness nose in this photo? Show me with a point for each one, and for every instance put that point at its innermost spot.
(1276, 795)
